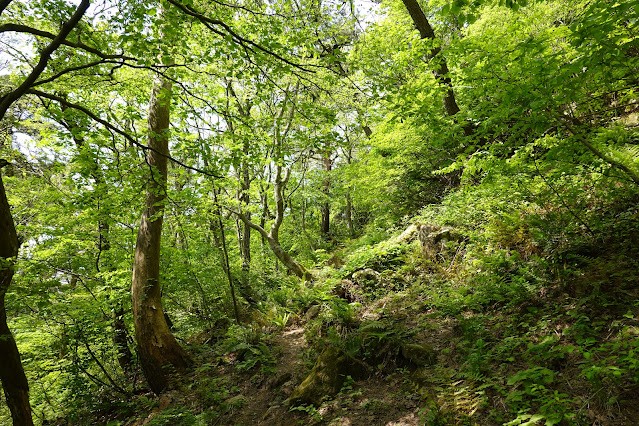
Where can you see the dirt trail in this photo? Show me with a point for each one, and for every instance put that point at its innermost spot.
(376, 401)
(264, 399)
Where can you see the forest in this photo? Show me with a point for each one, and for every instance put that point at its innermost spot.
(319, 212)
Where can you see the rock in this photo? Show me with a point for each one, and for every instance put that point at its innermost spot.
(348, 291)
(367, 274)
(419, 354)
(327, 377)
(433, 239)
(312, 312)
(409, 235)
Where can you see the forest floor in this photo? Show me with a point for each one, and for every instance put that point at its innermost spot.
(260, 399)
(368, 402)
(397, 393)
(564, 352)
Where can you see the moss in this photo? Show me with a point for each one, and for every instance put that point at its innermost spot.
(327, 377)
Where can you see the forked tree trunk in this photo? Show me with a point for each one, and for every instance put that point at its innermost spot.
(157, 347)
(272, 236)
(280, 132)
(14, 381)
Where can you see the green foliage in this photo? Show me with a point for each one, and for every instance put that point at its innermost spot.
(251, 351)
(537, 171)
(175, 416)
(384, 255)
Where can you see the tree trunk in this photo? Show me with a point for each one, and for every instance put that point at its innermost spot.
(221, 243)
(440, 68)
(349, 212)
(326, 212)
(279, 183)
(265, 212)
(157, 347)
(245, 233)
(272, 237)
(120, 339)
(14, 381)
(291, 264)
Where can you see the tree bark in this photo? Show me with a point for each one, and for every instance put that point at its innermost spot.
(325, 211)
(272, 236)
(440, 68)
(245, 234)
(14, 381)
(157, 347)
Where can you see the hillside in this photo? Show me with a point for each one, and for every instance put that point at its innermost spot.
(395, 212)
(436, 325)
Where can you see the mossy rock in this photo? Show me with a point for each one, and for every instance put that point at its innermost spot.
(327, 377)
(419, 354)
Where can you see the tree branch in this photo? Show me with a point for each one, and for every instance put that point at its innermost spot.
(4, 4)
(19, 28)
(582, 139)
(68, 70)
(253, 225)
(120, 132)
(67, 27)
(244, 42)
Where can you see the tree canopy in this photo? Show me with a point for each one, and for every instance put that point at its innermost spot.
(178, 176)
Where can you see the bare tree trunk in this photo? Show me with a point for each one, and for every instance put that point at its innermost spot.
(221, 243)
(303, 214)
(349, 189)
(14, 381)
(157, 346)
(245, 240)
(265, 211)
(349, 212)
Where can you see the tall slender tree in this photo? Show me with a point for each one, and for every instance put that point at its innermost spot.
(157, 347)
(14, 381)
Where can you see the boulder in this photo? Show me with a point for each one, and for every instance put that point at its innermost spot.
(327, 377)
(433, 239)
(367, 274)
(409, 235)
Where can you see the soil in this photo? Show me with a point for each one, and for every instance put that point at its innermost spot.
(375, 401)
